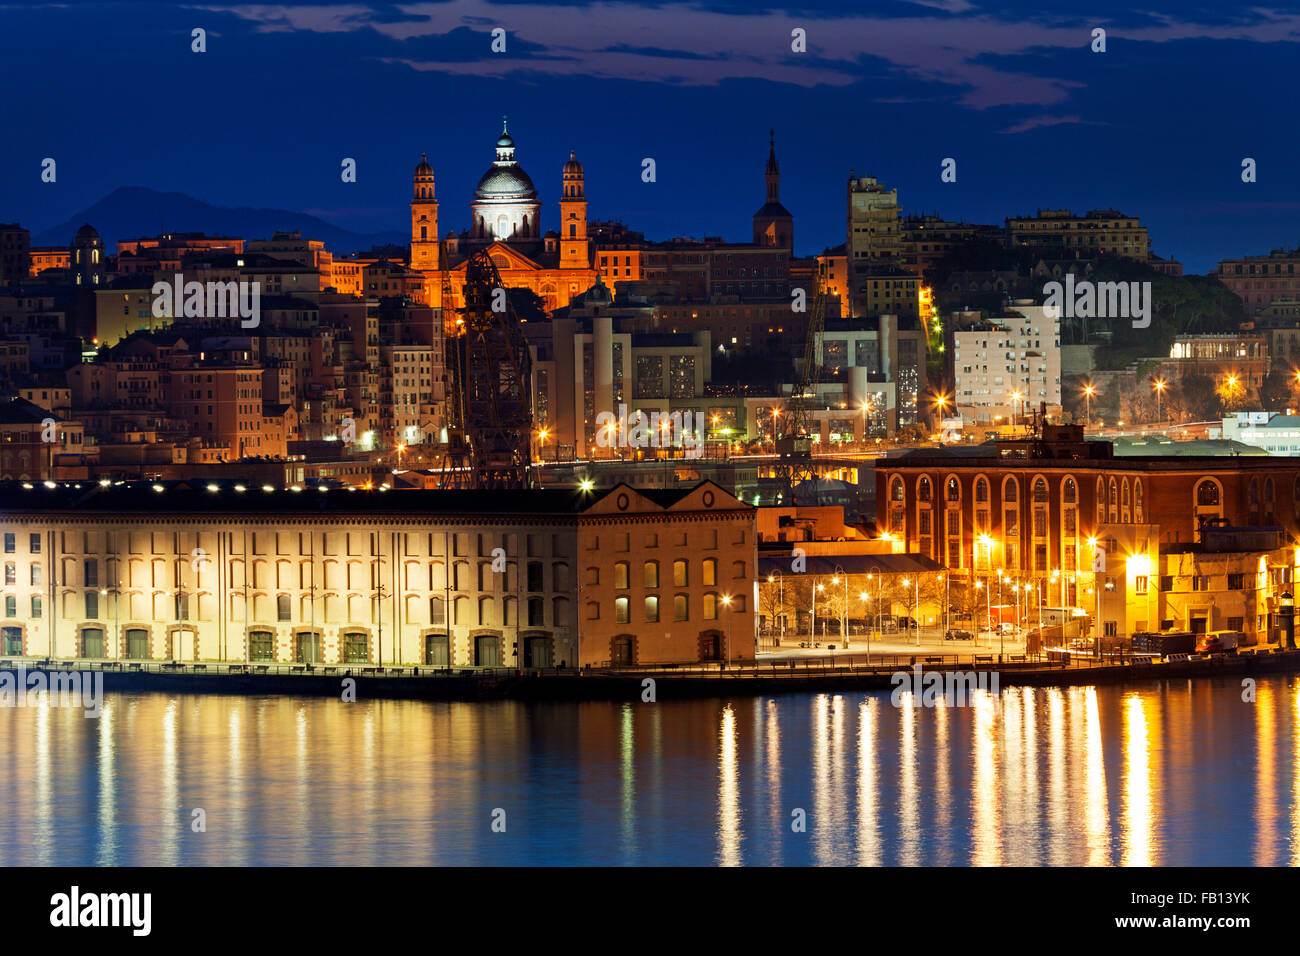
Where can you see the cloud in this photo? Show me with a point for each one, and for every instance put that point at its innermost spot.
(1034, 122)
(688, 44)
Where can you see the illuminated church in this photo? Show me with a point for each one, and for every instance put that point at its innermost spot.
(505, 217)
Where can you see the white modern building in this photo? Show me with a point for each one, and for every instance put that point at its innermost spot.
(1275, 433)
(1007, 365)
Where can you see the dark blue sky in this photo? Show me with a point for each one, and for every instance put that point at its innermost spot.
(1157, 126)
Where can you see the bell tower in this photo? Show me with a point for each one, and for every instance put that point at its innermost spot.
(575, 247)
(424, 220)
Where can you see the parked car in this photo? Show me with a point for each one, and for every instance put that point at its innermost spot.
(954, 635)
(906, 622)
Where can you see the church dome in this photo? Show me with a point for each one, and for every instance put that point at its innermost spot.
(424, 169)
(505, 181)
(572, 166)
(87, 233)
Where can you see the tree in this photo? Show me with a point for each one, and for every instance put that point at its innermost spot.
(1199, 398)
(911, 433)
(1277, 391)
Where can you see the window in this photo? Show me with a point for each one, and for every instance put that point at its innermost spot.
(710, 606)
(36, 574)
(1167, 582)
(11, 606)
(1200, 582)
(10, 546)
(710, 572)
(437, 610)
(651, 574)
(1236, 582)
(1140, 584)
(356, 648)
(1207, 494)
(91, 573)
(535, 576)
(92, 605)
(621, 574)
(652, 608)
(283, 609)
(680, 608)
(1236, 623)
(261, 646)
(1112, 628)
(536, 612)
(36, 605)
(680, 575)
(35, 547)
(621, 615)
(981, 490)
(11, 573)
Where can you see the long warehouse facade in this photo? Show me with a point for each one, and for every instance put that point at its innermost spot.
(233, 572)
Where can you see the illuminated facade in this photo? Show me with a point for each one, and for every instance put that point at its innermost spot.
(196, 572)
(505, 217)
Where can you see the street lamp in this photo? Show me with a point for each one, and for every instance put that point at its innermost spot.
(865, 599)
(1088, 391)
(844, 617)
(726, 602)
(1159, 385)
(780, 598)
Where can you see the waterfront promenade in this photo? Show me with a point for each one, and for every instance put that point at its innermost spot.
(810, 671)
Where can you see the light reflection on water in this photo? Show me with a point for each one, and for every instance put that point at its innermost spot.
(1181, 773)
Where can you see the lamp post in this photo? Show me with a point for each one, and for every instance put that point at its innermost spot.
(865, 598)
(1001, 633)
(1087, 396)
(844, 615)
(1159, 385)
(780, 598)
(947, 602)
(726, 602)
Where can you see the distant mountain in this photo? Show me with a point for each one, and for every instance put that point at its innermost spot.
(131, 212)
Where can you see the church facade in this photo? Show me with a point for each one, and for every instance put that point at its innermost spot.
(505, 219)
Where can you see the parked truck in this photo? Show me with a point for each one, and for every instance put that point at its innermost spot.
(1164, 643)
(1218, 642)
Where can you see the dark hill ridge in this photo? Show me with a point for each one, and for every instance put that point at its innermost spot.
(131, 212)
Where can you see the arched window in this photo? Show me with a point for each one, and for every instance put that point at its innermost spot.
(981, 489)
(1268, 491)
(621, 575)
(1069, 491)
(923, 489)
(954, 488)
(709, 572)
(896, 489)
(1101, 501)
(1010, 490)
(709, 607)
(651, 574)
(1207, 493)
(1254, 492)
(1139, 513)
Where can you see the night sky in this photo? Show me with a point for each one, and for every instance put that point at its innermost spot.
(1157, 126)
